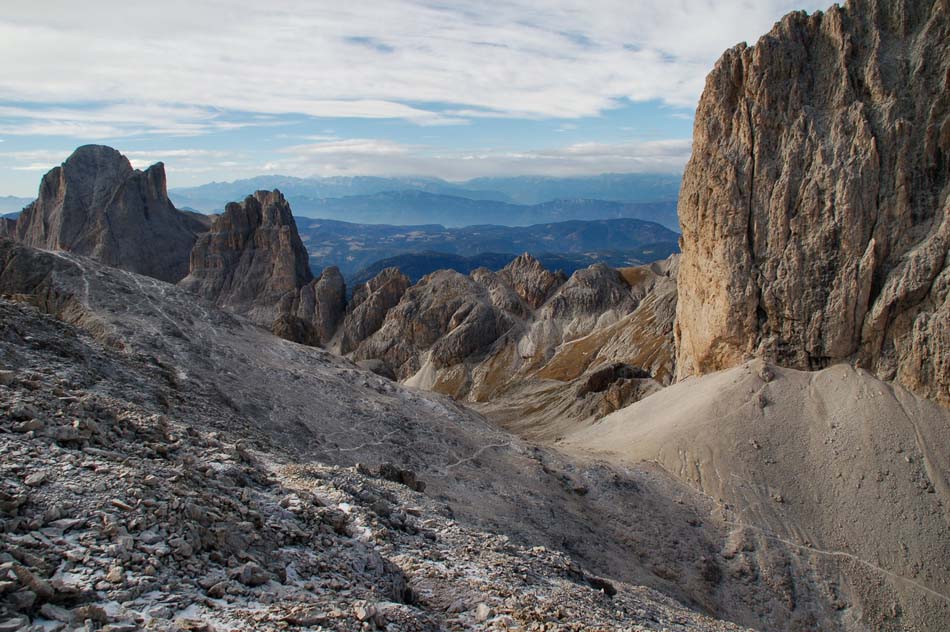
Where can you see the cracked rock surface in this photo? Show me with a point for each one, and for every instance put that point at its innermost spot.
(816, 206)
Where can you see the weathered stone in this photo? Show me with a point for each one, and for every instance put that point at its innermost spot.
(35, 479)
(369, 305)
(39, 586)
(251, 574)
(815, 206)
(530, 280)
(56, 613)
(95, 204)
(482, 613)
(251, 259)
(402, 476)
(116, 575)
(14, 624)
(252, 262)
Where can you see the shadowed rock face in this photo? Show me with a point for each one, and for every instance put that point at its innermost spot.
(369, 305)
(528, 278)
(7, 227)
(446, 315)
(252, 262)
(816, 206)
(318, 309)
(97, 205)
(251, 259)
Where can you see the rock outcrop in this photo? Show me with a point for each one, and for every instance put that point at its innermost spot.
(251, 259)
(97, 205)
(439, 322)
(252, 262)
(369, 305)
(320, 305)
(530, 280)
(523, 343)
(7, 228)
(816, 206)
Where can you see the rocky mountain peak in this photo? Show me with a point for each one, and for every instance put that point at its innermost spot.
(369, 305)
(530, 280)
(254, 263)
(7, 228)
(815, 206)
(252, 259)
(96, 204)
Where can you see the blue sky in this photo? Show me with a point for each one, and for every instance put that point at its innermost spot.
(224, 89)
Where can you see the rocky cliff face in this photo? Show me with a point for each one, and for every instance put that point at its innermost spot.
(252, 262)
(252, 259)
(370, 304)
(816, 206)
(446, 317)
(7, 228)
(530, 281)
(97, 205)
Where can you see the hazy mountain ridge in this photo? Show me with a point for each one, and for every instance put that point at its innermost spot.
(416, 265)
(353, 247)
(518, 189)
(11, 204)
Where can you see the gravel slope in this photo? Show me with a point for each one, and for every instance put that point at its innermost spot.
(850, 471)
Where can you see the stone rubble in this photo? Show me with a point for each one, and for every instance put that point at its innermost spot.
(115, 516)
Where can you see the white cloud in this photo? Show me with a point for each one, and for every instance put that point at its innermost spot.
(178, 161)
(385, 59)
(369, 156)
(119, 120)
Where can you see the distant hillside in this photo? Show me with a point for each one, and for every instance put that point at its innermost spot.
(419, 264)
(213, 196)
(514, 202)
(352, 247)
(620, 187)
(420, 207)
(10, 204)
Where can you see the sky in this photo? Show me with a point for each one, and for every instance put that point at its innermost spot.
(227, 89)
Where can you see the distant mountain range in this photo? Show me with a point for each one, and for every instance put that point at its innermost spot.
(620, 187)
(418, 264)
(10, 204)
(419, 207)
(353, 247)
(517, 201)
